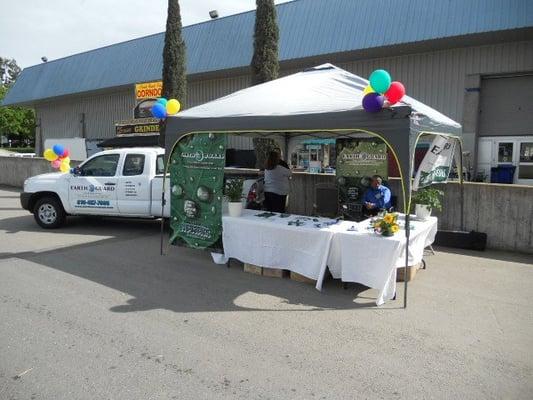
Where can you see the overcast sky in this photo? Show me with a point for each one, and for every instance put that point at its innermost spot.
(30, 29)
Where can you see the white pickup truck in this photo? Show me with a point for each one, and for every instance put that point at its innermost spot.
(122, 183)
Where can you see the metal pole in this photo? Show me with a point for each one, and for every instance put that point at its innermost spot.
(461, 184)
(162, 217)
(407, 233)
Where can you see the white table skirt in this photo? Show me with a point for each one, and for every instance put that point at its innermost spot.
(358, 256)
(272, 243)
(370, 259)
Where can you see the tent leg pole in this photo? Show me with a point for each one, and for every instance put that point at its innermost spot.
(407, 233)
(461, 183)
(162, 222)
(462, 194)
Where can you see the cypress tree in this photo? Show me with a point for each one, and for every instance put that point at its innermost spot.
(174, 62)
(265, 65)
(174, 73)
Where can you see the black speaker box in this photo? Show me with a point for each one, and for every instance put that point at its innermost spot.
(462, 240)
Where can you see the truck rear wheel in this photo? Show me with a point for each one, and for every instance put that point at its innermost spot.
(49, 213)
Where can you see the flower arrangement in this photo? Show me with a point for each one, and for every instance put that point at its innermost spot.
(387, 225)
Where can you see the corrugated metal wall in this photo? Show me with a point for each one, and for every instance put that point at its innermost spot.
(435, 78)
(438, 78)
(63, 118)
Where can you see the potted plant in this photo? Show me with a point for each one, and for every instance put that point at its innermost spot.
(233, 192)
(426, 200)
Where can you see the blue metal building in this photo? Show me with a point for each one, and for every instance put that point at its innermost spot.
(448, 53)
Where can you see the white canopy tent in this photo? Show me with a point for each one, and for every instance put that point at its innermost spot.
(324, 101)
(322, 89)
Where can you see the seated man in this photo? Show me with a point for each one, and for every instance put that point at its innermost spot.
(377, 197)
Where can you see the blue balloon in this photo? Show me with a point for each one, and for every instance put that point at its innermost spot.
(159, 110)
(162, 100)
(58, 150)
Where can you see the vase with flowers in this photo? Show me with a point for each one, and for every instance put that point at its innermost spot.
(387, 225)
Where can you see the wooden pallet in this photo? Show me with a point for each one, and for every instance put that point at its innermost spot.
(253, 269)
(300, 278)
(275, 272)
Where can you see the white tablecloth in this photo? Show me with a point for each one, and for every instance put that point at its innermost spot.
(370, 259)
(272, 243)
(352, 252)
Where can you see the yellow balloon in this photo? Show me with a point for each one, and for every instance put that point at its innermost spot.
(49, 155)
(64, 167)
(173, 106)
(367, 90)
(66, 160)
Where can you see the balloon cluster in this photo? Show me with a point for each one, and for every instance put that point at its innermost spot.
(58, 157)
(381, 91)
(163, 107)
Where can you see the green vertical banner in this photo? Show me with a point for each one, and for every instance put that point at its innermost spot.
(196, 190)
(357, 161)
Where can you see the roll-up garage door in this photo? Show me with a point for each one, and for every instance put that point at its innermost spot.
(506, 106)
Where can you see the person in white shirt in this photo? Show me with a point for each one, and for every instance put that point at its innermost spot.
(277, 175)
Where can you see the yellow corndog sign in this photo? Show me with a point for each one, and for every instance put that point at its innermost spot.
(148, 90)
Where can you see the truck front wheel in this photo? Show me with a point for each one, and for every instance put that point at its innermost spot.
(49, 213)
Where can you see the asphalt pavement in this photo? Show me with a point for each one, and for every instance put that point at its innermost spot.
(92, 311)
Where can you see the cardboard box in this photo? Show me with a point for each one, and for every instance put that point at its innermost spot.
(411, 272)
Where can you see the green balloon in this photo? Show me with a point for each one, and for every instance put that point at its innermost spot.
(380, 80)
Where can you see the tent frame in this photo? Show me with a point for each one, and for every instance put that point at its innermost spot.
(396, 135)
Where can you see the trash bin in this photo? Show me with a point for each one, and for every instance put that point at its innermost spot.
(502, 174)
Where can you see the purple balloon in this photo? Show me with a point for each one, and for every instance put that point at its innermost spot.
(159, 110)
(373, 102)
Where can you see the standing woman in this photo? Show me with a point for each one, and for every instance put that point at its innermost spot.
(276, 183)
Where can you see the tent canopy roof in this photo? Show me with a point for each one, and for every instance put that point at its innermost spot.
(322, 89)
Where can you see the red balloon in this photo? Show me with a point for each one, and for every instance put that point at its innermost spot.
(66, 153)
(395, 93)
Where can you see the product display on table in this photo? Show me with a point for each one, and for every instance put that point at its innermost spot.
(266, 214)
(351, 251)
(273, 243)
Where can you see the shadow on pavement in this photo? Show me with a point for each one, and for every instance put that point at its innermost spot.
(85, 225)
(127, 259)
(490, 254)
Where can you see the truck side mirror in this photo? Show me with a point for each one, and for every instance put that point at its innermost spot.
(75, 171)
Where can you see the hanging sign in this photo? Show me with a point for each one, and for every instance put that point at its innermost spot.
(196, 185)
(362, 158)
(148, 90)
(138, 126)
(357, 161)
(437, 163)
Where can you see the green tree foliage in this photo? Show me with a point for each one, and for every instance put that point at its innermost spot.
(9, 70)
(174, 65)
(16, 123)
(265, 64)
(174, 62)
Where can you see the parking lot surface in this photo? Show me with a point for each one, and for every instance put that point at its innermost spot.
(92, 311)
